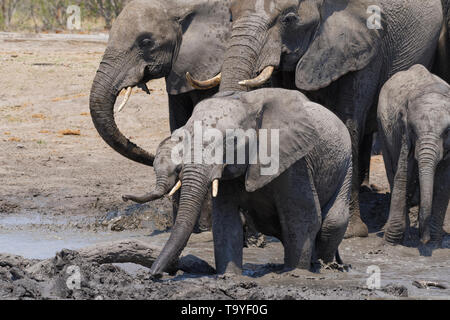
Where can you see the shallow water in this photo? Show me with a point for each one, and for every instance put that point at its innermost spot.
(41, 237)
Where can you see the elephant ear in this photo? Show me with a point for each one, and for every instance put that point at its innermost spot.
(343, 43)
(206, 27)
(291, 115)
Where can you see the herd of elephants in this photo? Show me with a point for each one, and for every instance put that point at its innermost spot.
(324, 75)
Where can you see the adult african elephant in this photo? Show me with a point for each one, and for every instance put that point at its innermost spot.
(153, 39)
(339, 51)
(414, 126)
(442, 62)
(301, 197)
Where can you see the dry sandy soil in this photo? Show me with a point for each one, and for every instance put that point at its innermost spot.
(59, 180)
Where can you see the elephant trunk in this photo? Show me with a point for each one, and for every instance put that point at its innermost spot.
(193, 193)
(102, 99)
(247, 40)
(427, 155)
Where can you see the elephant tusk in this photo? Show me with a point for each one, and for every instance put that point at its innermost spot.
(204, 85)
(263, 77)
(215, 188)
(125, 100)
(175, 189)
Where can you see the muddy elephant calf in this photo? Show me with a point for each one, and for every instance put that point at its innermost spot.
(301, 195)
(414, 124)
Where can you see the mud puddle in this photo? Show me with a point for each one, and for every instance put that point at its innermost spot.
(37, 236)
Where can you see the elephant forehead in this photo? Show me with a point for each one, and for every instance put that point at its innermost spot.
(139, 17)
(430, 111)
(264, 7)
(219, 112)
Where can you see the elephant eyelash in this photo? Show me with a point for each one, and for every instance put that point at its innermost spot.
(147, 43)
(289, 18)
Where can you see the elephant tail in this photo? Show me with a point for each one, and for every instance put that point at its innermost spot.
(338, 258)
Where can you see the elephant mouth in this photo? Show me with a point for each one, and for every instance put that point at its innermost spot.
(141, 85)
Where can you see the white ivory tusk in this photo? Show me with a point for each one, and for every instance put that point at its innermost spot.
(125, 100)
(204, 85)
(265, 75)
(175, 189)
(215, 188)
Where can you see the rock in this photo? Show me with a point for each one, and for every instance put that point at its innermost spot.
(395, 290)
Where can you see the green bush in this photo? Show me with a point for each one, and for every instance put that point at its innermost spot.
(50, 15)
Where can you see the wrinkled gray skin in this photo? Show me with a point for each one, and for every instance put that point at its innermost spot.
(153, 39)
(325, 48)
(414, 123)
(305, 204)
(442, 61)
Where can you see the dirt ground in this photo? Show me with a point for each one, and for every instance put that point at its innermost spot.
(61, 187)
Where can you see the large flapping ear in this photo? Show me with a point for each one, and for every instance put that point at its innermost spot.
(288, 114)
(206, 27)
(343, 43)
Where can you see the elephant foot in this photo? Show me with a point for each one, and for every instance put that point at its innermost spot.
(392, 241)
(391, 237)
(356, 228)
(372, 188)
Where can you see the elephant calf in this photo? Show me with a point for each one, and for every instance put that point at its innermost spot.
(301, 196)
(414, 124)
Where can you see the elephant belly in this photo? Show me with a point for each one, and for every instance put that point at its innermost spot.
(261, 210)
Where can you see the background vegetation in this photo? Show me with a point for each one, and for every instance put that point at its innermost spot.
(51, 15)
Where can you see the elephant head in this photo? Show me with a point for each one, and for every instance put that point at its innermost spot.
(166, 172)
(231, 125)
(318, 41)
(428, 123)
(153, 39)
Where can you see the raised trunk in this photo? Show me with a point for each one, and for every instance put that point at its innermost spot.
(427, 157)
(245, 45)
(102, 100)
(193, 193)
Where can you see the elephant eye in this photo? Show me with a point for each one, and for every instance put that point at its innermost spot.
(290, 18)
(147, 43)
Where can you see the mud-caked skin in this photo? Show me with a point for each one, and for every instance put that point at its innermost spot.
(335, 51)
(305, 203)
(414, 125)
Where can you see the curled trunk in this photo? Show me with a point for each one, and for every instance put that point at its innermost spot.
(102, 100)
(193, 192)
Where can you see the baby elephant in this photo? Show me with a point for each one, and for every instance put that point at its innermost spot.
(283, 159)
(414, 123)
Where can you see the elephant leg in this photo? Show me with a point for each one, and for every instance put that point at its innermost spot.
(396, 224)
(227, 230)
(180, 110)
(336, 216)
(358, 94)
(356, 227)
(204, 222)
(441, 196)
(300, 216)
(364, 164)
